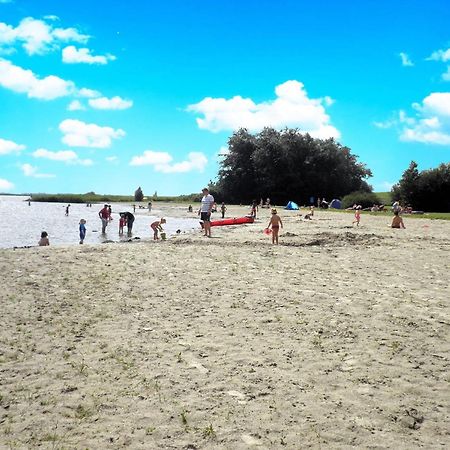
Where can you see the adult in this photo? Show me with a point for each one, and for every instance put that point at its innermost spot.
(205, 211)
(104, 216)
(129, 219)
(67, 209)
(149, 206)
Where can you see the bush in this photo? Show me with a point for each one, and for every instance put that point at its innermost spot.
(365, 199)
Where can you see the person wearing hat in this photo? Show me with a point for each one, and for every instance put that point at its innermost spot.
(205, 211)
(275, 223)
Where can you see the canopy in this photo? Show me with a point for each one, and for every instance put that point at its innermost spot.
(291, 205)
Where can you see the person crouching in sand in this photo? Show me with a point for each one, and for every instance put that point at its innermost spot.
(44, 239)
(275, 223)
(397, 221)
(157, 226)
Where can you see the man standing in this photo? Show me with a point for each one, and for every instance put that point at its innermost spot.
(104, 215)
(205, 211)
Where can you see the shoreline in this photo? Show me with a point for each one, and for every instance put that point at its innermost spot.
(338, 337)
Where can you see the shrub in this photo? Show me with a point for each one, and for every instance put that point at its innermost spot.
(365, 199)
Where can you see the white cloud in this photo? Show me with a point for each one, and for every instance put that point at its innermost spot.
(162, 162)
(446, 75)
(38, 36)
(110, 103)
(25, 82)
(291, 108)
(81, 134)
(75, 105)
(406, 61)
(67, 156)
(112, 159)
(88, 93)
(440, 55)
(432, 122)
(72, 55)
(9, 147)
(31, 171)
(5, 185)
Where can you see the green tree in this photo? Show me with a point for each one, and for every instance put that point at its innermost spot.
(138, 195)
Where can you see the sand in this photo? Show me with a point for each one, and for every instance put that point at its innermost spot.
(336, 338)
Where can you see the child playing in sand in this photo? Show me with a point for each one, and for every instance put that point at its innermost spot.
(44, 239)
(275, 222)
(357, 216)
(82, 230)
(157, 226)
(397, 221)
(122, 223)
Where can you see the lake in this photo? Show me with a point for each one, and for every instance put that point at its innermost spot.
(23, 223)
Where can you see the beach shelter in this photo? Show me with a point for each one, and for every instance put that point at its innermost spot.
(291, 205)
(335, 203)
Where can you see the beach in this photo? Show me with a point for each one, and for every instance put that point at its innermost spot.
(336, 338)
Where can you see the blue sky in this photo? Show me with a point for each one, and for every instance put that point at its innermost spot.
(107, 96)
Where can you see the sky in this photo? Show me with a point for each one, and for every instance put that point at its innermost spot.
(107, 96)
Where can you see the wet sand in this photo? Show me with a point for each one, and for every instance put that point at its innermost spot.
(336, 338)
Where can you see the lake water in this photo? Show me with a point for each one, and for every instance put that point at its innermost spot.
(23, 223)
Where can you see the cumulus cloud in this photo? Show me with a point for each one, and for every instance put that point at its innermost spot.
(88, 93)
(75, 105)
(110, 103)
(431, 124)
(9, 147)
(440, 55)
(5, 185)
(406, 61)
(26, 82)
(80, 134)
(67, 156)
(291, 108)
(72, 55)
(31, 171)
(37, 36)
(162, 162)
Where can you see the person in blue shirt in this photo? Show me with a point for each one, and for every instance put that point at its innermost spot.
(82, 230)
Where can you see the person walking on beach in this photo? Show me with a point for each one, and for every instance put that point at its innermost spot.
(223, 208)
(82, 230)
(275, 223)
(44, 239)
(157, 226)
(397, 221)
(205, 211)
(67, 209)
(104, 216)
(357, 216)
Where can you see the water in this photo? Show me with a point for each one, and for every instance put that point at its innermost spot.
(23, 223)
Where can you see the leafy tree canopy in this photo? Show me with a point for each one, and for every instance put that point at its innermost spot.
(138, 195)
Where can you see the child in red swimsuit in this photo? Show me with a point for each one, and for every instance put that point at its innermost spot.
(276, 223)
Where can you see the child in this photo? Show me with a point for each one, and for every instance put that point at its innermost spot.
(122, 223)
(397, 221)
(357, 216)
(44, 239)
(223, 208)
(156, 226)
(82, 230)
(275, 222)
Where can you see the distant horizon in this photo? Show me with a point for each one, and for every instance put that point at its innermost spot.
(152, 91)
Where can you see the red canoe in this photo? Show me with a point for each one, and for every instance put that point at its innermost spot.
(234, 221)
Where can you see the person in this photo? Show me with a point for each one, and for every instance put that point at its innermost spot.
(190, 208)
(205, 211)
(129, 220)
(397, 221)
(268, 202)
(67, 209)
(275, 222)
(104, 216)
(110, 213)
(150, 206)
(223, 208)
(44, 239)
(122, 223)
(157, 226)
(396, 207)
(311, 210)
(254, 209)
(357, 216)
(134, 208)
(82, 230)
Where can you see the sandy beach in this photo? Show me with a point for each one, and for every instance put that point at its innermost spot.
(337, 338)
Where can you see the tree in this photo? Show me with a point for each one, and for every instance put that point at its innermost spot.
(138, 195)
(287, 165)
